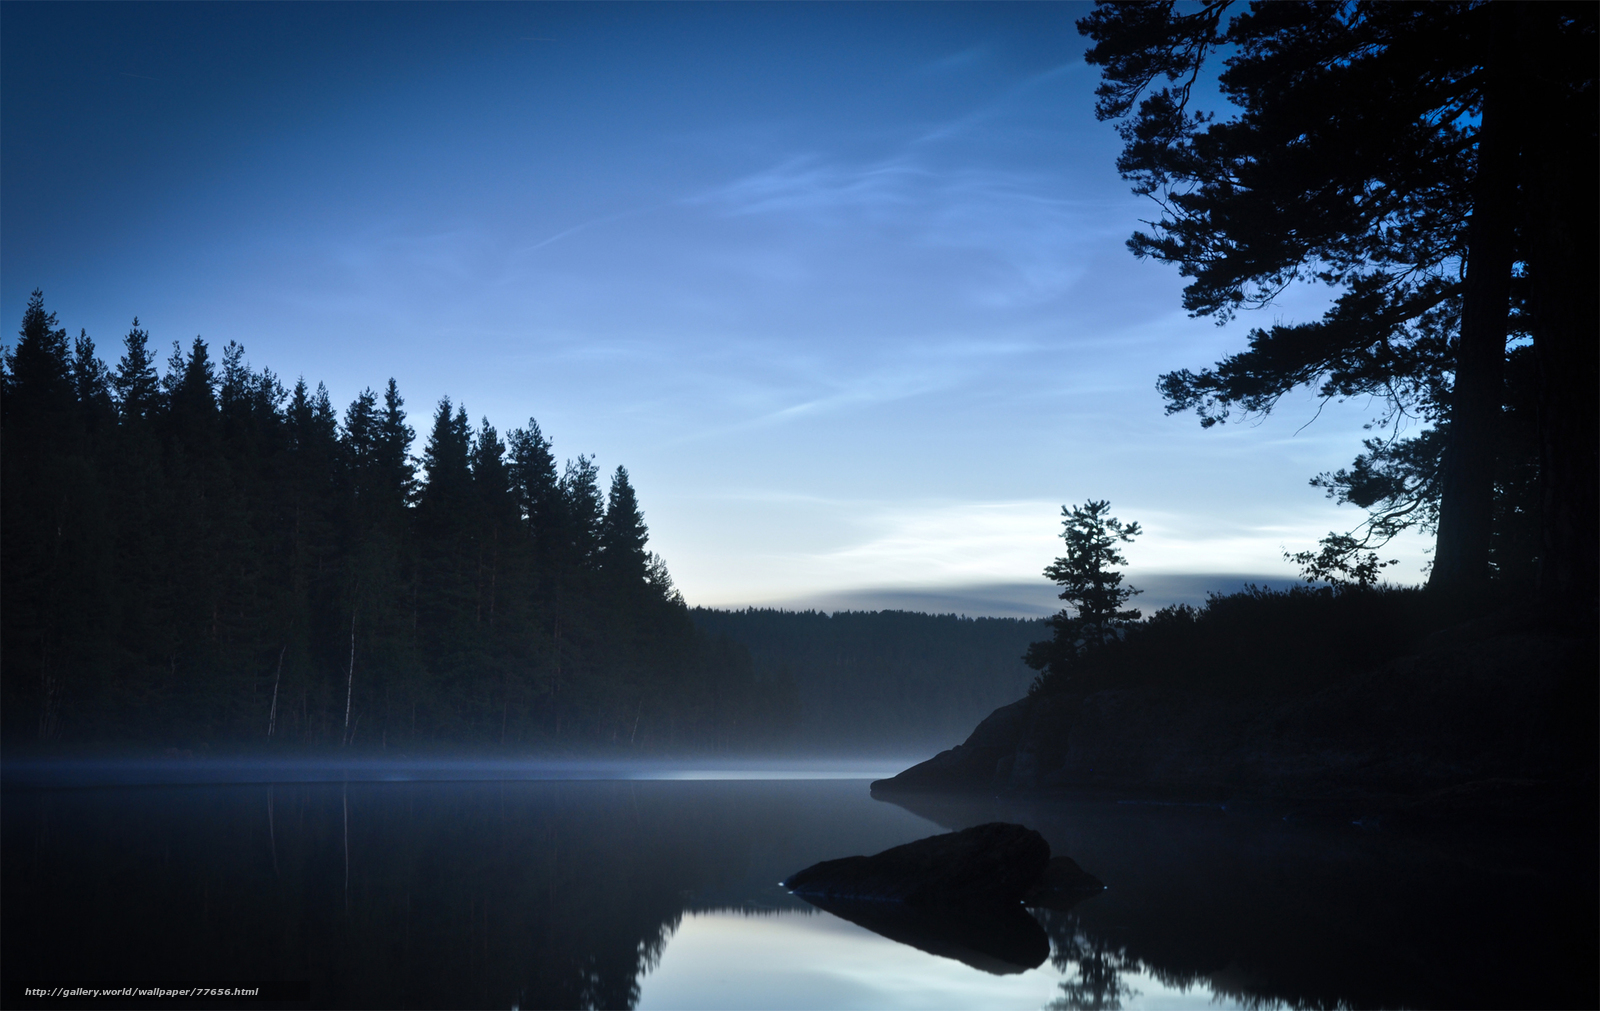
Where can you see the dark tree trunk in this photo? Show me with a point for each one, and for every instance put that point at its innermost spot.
(1466, 502)
(1564, 265)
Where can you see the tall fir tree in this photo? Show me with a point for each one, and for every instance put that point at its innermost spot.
(137, 387)
(623, 535)
(580, 493)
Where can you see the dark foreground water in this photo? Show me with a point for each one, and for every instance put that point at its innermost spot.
(661, 892)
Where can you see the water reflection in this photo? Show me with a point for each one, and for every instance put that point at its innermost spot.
(1266, 909)
(1000, 940)
(1098, 975)
(609, 894)
(543, 894)
(789, 960)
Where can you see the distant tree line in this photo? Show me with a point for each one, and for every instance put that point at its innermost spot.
(201, 555)
(884, 681)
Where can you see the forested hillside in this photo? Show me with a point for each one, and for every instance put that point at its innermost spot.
(200, 557)
(885, 681)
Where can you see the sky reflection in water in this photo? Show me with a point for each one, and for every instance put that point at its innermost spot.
(791, 959)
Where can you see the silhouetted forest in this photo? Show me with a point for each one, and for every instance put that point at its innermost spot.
(1251, 643)
(201, 555)
(884, 680)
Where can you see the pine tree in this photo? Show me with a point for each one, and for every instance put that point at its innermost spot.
(53, 542)
(490, 478)
(623, 535)
(137, 387)
(446, 549)
(191, 388)
(446, 459)
(1394, 152)
(92, 384)
(580, 493)
(361, 440)
(495, 510)
(1089, 584)
(394, 449)
(537, 487)
(39, 390)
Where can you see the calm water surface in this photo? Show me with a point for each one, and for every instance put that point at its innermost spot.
(661, 892)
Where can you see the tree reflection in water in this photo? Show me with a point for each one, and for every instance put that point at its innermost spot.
(1095, 969)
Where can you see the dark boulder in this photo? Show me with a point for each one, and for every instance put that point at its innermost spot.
(991, 864)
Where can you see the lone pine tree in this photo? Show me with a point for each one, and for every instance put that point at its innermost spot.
(1090, 585)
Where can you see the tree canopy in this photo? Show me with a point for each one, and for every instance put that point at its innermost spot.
(1434, 165)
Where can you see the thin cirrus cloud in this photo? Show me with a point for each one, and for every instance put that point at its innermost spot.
(1012, 238)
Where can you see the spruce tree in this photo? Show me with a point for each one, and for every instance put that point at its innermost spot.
(537, 487)
(42, 479)
(361, 441)
(446, 459)
(92, 384)
(191, 388)
(137, 387)
(490, 477)
(623, 534)
(39, 388)
(580, 493)
(394, 449)
(495, 511)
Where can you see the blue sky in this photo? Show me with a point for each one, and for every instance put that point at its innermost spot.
(842, 285)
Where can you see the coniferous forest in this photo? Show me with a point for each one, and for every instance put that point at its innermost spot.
(884, 681)
(200, 556)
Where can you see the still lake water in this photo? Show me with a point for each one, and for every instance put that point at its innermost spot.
(656, 887)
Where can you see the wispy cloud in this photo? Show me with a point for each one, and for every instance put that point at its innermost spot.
(1021, 241)
(945, 64)
(994, 110)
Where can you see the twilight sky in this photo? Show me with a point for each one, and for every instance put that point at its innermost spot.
(842, 285)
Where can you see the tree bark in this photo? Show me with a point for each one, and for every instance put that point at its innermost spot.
(1564, 264)
(1466, 501)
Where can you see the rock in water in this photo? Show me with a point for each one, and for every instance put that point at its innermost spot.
(986, 864)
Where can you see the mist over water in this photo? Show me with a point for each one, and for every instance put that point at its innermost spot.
(110, 772)
(475, 883)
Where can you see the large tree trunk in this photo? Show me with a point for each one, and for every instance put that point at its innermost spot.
(1466, 502)
(1564, 255)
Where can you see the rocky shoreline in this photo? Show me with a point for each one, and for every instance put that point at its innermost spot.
(1475, 723)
